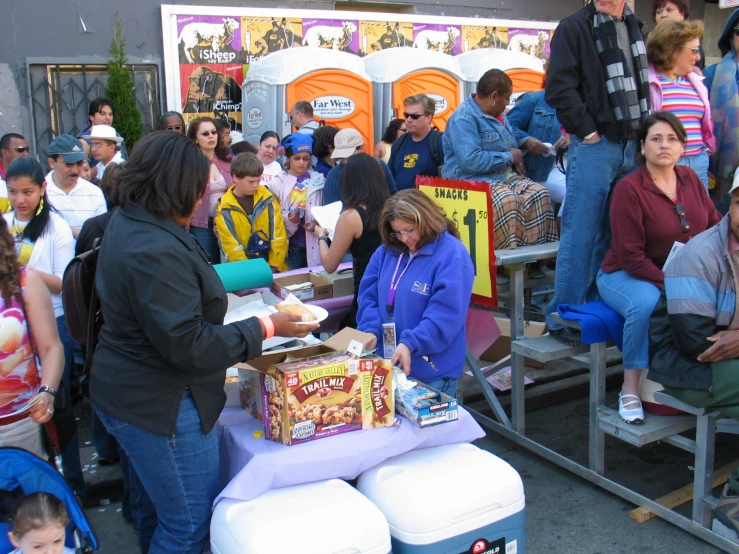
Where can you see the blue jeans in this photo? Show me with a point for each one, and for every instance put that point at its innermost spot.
(634, 300)
(71, 464)
(446, 385)
(698, 163)
(297, 257)
(592, 170)
(178, 480)
(208, 240)
(105, 444)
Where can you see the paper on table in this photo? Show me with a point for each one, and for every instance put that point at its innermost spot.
(299, 286)
(327, 216)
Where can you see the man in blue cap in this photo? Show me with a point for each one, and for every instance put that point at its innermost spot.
(76, 199)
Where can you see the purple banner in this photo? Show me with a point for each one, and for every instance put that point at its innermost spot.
(442, 38)
(530, 41)
(335, 34)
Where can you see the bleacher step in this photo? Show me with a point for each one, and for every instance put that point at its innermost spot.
(546, 348)
(653, 429)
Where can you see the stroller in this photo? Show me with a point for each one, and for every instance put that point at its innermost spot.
(23, 473)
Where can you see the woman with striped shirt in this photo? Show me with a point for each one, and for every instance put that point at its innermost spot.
(673, 49)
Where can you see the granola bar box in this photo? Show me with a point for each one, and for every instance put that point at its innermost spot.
(316, 392)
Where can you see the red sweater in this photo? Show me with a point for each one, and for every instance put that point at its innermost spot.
(645, 223)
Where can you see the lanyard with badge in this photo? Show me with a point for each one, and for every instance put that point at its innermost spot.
(389, 337)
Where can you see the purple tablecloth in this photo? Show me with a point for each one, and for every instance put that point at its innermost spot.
(337, 308)
(250, 467)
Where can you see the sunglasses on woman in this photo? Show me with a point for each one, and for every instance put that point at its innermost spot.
(697, 50)
(683, 220)
(208, 133)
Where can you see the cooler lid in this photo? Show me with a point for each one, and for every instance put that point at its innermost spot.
(285, 66)
(387, 66)
(442, 488)
(475, 63)
(289, 517)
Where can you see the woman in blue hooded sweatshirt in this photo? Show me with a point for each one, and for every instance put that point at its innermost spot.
(416, 291)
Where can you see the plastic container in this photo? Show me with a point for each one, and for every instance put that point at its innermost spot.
(526, 71)
(449, 500)
(326, 517)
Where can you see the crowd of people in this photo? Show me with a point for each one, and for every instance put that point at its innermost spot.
(615, 158)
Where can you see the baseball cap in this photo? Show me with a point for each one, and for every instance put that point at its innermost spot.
(236, 137)
(298, 143)
(346, 142)
(735, 184)
(105, 132)
(68, 148)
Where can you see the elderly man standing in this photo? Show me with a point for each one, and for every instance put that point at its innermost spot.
(12, 146)
(599, 85)
(301, 117)
(104, 141)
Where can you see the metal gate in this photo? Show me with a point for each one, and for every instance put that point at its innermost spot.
(61, 95)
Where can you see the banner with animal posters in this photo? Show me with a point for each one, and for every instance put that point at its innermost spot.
(530, 41)
(444, 38)
(265, 35)
(209, 39)
(336, 34)
(475, 37)
(203, 45)
(381, 35)
(212, 90)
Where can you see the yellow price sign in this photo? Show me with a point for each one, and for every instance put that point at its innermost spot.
(470, 205)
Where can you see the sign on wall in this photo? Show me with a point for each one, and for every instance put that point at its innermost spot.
(208, 50)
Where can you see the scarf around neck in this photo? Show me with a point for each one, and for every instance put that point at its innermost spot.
(725, 104)
(628, 94)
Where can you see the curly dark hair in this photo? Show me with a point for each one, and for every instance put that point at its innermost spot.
(10, 268)
(323, 141)
(391, 133)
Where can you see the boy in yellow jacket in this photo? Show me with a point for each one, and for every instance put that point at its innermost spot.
(248, 217)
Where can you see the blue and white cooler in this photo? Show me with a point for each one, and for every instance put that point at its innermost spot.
(326, 517)
(452, 499)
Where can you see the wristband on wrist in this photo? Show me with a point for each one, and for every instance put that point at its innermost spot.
(269, 327)
(324, 238)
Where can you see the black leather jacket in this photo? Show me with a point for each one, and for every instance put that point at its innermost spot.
(163, 306)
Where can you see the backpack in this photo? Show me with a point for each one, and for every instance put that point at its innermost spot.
(433, 146)
(81, 302)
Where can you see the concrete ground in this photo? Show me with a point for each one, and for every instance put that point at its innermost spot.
(563, 512)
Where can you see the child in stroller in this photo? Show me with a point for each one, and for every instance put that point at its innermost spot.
(39, 524)
(22, 477)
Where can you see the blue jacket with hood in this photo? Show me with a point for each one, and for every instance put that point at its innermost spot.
(725, 45)
(430, 304)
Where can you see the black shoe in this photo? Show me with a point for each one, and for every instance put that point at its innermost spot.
(107, 461)
(567, 336)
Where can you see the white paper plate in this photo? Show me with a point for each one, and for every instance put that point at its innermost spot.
(319, 313)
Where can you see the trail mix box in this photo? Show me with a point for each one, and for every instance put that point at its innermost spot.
(325, 395)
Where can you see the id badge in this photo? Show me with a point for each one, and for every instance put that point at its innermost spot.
(388, 340)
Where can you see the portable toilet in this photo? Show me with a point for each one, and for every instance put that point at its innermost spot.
(398, 73)
(335, 83)
(526, 71)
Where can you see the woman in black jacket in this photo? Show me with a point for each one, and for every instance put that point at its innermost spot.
(159, 369)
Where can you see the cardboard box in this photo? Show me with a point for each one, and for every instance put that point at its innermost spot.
(342, 281)
(431, 411)
(322, 287)
(502, 347)
(318, 391)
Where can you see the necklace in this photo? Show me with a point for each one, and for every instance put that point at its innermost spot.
(669, 186)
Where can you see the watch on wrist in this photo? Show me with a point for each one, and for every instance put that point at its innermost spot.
(324, 238)
(49, 390)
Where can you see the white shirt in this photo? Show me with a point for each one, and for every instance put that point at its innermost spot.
(52, 252)
(117, 159)
(84, 201)
(269, 173)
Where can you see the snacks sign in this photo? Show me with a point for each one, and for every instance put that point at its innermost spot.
(470, 205)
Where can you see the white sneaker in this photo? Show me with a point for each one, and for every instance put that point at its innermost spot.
(630, 408)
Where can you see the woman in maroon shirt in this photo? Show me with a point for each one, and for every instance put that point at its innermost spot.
(652, 208)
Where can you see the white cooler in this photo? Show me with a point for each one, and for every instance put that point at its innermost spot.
(449, 500)
(327, 517)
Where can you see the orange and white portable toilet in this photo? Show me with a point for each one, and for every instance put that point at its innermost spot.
(526, 71)
(398, 73)
(335, 83)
